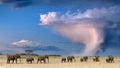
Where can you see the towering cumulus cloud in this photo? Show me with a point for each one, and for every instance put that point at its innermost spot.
(85, 28)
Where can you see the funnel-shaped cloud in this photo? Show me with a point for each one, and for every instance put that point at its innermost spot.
(83, 33)
(85, 28)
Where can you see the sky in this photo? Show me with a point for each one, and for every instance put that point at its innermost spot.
(63, 27)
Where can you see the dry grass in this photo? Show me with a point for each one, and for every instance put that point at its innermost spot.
(55, 62)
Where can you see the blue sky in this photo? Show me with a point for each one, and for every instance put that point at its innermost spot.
(20, 21)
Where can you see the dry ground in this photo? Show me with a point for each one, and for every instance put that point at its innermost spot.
(55, 62)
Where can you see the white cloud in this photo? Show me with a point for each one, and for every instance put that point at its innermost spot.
(109, 14)
(48, 18)
(85, 28)
(22, 43)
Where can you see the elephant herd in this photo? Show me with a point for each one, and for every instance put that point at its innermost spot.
(109, 59)
(45, 59)
(41, 59)
(68, 59)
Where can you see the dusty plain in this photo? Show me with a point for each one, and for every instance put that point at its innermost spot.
(55, 62)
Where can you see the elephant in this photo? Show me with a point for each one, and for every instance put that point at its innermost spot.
(110, 59)
(83, 59)
(96, 59)
(44, 58)
(63, 60)
(29, 60)
(13, 58)
(70, 58)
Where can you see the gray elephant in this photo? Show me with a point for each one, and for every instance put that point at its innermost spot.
(84, 59)
(30, 60)
(70, 58)
(110, 59)
(63, 60)
(13, 58)
(96, 59)
(43, 59)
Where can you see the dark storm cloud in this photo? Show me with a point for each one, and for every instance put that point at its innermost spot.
(112, 1)
(9, 1)
(69, 3)
(18, 3)
(112, 37)
(23, 4)
(80, 3)
(76, 1)
(50, 48)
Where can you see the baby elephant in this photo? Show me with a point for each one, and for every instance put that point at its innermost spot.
(96, 59)
(110, 59)
(43, 59)
(63, 60)
(84, 59)
(30, 60)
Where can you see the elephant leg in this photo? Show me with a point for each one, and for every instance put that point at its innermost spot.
(37, 62)
(44, 61)
(107, 60)
(81, 60)
(113, 60)
(71, 60)
(110, 60)
(31, 61)
(12, 61)
(96, 60)
(40, 61)
(63, 61)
